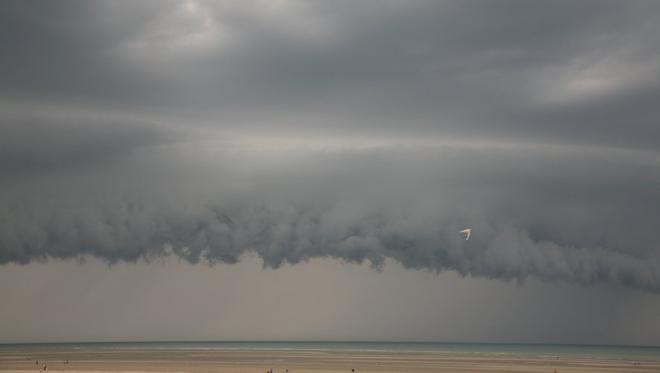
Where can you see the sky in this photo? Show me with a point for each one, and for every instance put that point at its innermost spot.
(185, 170)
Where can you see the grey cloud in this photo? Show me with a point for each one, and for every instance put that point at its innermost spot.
(483, 69)
(550, 109)
(34, 140)
(538, 215)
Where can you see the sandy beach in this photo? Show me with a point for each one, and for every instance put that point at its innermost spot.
(304, 361)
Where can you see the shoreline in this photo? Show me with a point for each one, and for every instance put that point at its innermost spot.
(514, 350)
(304, 361)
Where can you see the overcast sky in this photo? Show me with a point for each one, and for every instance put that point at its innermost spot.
(263, 159)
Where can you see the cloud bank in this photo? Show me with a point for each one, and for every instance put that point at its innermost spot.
(535, 211)
(361, 132)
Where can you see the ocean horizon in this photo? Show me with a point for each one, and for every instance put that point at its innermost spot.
(482, 348)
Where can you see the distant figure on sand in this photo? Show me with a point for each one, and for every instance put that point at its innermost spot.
(45, 367)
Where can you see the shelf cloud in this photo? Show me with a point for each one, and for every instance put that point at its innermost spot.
(357, 131)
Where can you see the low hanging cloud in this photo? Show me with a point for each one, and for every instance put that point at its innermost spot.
(363, 132)
(574, 214)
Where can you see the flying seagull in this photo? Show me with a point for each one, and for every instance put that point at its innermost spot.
(467, 233)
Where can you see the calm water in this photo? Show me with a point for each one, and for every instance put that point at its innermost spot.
(614, 352)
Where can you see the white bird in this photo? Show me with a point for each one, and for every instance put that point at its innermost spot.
(467, 232)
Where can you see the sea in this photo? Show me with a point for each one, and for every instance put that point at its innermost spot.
(495, 349)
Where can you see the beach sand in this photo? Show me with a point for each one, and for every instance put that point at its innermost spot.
(303, 361)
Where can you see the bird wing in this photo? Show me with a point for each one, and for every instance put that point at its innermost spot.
(468, 233)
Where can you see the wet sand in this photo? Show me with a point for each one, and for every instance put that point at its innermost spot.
(303, 361)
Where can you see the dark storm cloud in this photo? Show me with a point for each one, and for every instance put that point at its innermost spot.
(535, 213)
(479, 87)
(53, 141)
(556, 71)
